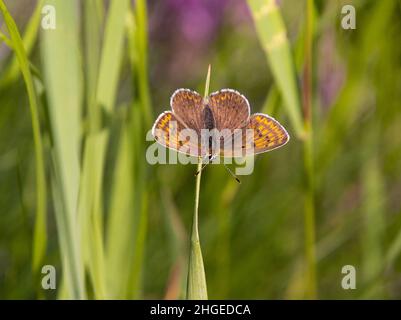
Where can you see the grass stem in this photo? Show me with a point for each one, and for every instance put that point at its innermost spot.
(309, 213)
(196, 283)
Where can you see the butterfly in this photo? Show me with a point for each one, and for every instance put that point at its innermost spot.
(225, 113)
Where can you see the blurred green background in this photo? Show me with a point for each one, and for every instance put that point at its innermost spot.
(76, 191)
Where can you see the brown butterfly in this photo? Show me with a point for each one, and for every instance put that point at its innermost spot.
(225, 112)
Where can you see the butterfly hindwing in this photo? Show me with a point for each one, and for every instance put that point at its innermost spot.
(261, 134)
(268, 134)
(171, 133)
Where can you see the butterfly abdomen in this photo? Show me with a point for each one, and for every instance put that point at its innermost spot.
(208, 118)
(208, 124)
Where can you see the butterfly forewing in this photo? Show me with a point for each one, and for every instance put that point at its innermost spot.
(230, 109)
(187, 106)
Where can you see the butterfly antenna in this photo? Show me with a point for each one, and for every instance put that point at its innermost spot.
(232, 173)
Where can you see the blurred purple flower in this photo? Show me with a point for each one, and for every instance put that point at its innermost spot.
(198, 19)
(331, 70)
(183, 32)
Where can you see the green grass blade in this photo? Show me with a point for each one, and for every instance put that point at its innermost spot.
(90, 203)
(61, 56)
(39, 242)
(68, 288)
(272, 35)
(309, 167)
(120, 226)
(111, 54)
(93, 19)
(196, 282)
(6, 40)
(141, 223)
(141, 41)
(394, 250)
(90, 210)
(28, 40)
(34, 70)
(138, 125)
(309, 218)
(373, 214)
